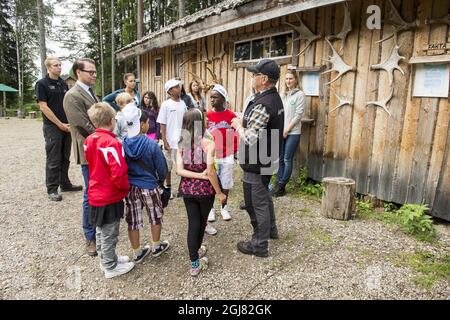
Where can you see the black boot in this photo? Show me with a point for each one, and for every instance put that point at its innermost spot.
(275, 188)
(281, 190)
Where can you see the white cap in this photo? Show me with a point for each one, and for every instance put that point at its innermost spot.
(172, 83)
(132, 116)
(220, 89)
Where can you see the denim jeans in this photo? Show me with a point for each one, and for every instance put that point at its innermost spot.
(290, 145)
(89, 231)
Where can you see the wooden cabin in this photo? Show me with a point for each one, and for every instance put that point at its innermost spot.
(384, 122)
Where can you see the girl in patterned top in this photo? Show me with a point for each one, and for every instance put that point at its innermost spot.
(199, 183)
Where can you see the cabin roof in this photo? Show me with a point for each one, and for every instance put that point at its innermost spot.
(226, 15)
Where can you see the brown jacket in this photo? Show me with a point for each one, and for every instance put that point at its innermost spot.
(76, 104)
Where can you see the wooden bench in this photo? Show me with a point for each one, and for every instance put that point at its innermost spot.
(32, 114)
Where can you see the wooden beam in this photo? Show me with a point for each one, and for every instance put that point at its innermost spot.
(247, 14)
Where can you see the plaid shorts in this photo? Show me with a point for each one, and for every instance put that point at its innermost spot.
(136, 200)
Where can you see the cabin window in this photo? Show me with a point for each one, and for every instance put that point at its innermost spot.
(158, 67)
(273, 46)
(242, 51)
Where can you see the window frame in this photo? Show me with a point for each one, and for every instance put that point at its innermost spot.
(263, 37)
(161, 67)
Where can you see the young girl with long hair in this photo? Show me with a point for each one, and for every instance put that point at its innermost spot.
(199, 183)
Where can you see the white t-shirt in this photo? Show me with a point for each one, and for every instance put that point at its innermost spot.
(171, 114)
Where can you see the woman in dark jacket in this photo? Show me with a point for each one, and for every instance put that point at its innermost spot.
(130, 87)
(149, 105)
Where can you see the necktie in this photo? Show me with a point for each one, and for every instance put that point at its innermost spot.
(92, 94)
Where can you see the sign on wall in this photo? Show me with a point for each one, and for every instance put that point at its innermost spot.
(310, 83)
(431, 80)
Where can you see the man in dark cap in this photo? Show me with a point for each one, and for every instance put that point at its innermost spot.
(261, 134)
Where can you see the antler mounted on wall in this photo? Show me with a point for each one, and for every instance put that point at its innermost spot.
(394, 18)
(443, 20)
(390, 64)
(304, 34)
(338, 64)
(346, 28)
(221, 53)
(203, 84)
(341, 103)
(383, 103)
(204, 57)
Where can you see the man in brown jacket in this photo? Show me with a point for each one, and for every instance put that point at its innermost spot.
(76, 103)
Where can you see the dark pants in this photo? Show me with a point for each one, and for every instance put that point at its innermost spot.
(89, 230)
(197, 211)
(259, 206)
(57, 148)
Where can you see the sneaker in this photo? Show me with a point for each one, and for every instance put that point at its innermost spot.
(225, 214)
(246, 247)
(210, 230)
(203, 265)
(212, 215)
(144, 252)
(54, 196)
(71, 187)
(161, 249)
(120, 259)
(120, 269)
(202, 251)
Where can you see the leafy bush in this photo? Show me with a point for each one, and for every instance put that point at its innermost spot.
(31, 107)
(415, 222)
(364, 209)
(304, 185)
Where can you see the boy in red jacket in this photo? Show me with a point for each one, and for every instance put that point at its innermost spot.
(108, 186)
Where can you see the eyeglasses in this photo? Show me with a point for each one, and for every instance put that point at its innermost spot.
(254, 75)
(91, 72)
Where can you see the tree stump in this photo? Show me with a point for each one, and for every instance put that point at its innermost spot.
(338, 199)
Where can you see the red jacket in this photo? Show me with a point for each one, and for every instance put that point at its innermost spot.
(108, 178)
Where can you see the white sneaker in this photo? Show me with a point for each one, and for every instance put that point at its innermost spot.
(225, 214)
(120, 259)
(120, 269)
(210, 230)
(212, 215)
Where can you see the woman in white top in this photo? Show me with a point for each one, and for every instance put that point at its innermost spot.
(293, 103)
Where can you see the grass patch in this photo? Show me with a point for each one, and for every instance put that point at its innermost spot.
(430, 269)
(317, 235)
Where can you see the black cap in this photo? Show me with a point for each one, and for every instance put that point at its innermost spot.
(268, 67)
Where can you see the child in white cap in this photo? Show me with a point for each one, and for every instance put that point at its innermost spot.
(219, 125)
(147, 169)
(170, 118)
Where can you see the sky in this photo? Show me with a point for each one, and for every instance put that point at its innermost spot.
(60, 9)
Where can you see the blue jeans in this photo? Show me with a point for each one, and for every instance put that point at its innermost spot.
(290, 145)
(89, 231)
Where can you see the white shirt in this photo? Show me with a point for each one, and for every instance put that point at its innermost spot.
(84, 86)
(171, 114)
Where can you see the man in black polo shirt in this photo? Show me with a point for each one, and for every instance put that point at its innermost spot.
(50, 92)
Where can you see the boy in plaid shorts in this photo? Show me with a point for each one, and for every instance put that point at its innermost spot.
(147, 169)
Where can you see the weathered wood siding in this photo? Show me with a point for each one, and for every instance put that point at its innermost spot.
(401, 158)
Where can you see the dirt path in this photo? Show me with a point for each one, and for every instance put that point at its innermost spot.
(42, 249)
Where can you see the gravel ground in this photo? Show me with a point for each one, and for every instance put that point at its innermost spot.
(42, 248)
